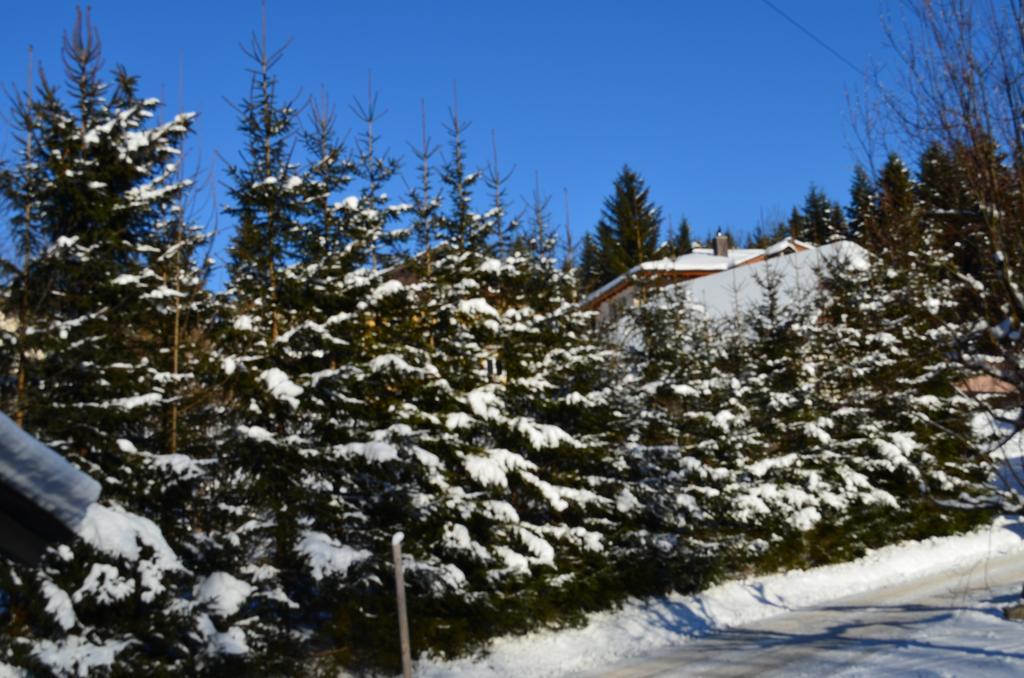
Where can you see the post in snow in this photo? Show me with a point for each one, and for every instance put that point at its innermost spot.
(403, 619)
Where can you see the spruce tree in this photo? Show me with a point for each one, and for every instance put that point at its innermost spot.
(684, 238)
(780, 463)
(627, 233)
(680, 449)
(819, 220)
(862, 212)
(895, 233)
(590, 270)
(451, 444)
(254, 518)
(899, 429)
(96, 189)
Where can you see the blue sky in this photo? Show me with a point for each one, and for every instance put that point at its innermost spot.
(726, 109)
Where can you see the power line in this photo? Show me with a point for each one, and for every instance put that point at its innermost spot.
(812, 36)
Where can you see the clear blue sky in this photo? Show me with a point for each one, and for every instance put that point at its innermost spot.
(725, 108)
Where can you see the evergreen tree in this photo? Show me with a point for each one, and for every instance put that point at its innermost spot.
(777, 494)
(451, 444)
(254, 517)
(796, 224)
(899, 431)
(590, 271)
(895, 233)
(678, 243)
(97, 191)
(627, 233)
(682, 409)
(266, 194)
(949, 208)
(820, 220)
(862, 212)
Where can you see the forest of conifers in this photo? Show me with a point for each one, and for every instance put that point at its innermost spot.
(421, 364)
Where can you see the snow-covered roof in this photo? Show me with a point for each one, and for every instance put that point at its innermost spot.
(735, 291)
(788, 243)
(47, 497)
(700, 260)
(736, 256)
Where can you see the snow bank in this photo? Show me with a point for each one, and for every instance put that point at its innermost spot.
(644, 626)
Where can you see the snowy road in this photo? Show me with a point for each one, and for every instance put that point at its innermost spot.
(947, 624)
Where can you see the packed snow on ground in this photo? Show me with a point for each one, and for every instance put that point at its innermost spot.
(973, 640)
(641, 627)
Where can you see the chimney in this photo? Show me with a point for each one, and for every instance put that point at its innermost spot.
(721, 245)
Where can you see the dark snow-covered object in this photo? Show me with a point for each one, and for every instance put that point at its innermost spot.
(43, 498)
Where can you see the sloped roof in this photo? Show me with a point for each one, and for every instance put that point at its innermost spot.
(735, 291)
(700, 260)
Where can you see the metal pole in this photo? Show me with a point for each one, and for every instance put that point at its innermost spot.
(403, 618)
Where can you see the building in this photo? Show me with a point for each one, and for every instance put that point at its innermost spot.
(612, 298)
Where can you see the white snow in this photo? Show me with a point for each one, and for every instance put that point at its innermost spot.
(121, 534)
(58, 605)
(126, 446)
(76, 656)
(972, 641)
(387, 289)
(493, 468)
(222, 593)
(375, 451)
(327, 556)
(735, 291)
(257, 433)
(131, 402)
(641, 627)
(244, 323)
(232, 641)
(105, 585)
(281, 386)
(477, 306)
(8, 671)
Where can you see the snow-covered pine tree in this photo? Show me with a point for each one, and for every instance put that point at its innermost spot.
(782, 483)
(356, 438)
(254, 518)
(435, 446)
(862, 210)
(683, 410)
(94, 188)
(560, 376)
(901, 441)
